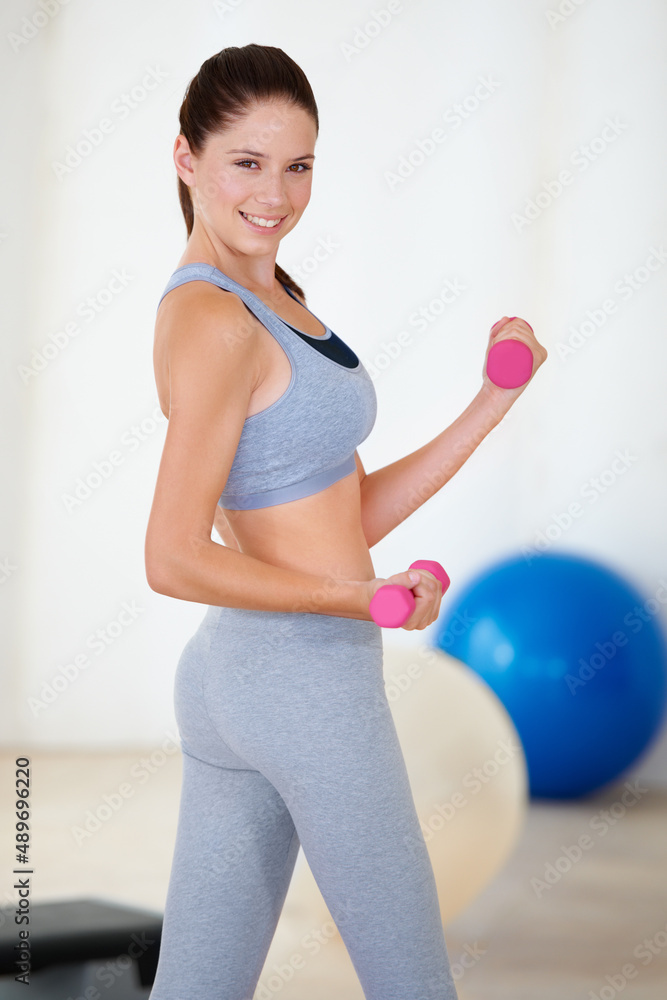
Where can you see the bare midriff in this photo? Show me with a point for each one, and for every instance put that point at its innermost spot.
(320, 534)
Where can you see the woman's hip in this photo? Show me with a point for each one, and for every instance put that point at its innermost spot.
(289, 647)
(264, 672)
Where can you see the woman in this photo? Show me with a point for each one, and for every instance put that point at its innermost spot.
(286, 731)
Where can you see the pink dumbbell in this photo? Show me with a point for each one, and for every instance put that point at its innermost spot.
(509, 363)
(391, 605)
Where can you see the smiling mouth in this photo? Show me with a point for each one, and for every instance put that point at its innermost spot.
(262, 222)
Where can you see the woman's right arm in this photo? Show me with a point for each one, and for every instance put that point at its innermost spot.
(212, 372)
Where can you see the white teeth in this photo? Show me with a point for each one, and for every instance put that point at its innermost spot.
(261, 222)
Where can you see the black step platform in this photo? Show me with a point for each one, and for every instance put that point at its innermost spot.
(81, 949)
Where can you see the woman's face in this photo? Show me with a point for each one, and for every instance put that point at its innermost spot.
(261, 167)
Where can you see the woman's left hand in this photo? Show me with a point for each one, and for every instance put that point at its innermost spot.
(515, 328)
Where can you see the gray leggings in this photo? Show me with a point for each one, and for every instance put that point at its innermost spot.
(288, 739)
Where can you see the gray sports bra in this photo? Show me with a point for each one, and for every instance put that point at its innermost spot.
(306, 439)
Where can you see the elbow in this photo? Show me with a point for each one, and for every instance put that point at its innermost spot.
(161, 572)
(158, 579)
(172, 565)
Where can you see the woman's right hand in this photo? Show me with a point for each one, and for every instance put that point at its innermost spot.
(427, 592)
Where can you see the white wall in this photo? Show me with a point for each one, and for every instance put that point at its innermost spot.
(554, 87)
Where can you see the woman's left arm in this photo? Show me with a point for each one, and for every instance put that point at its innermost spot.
(390, 494)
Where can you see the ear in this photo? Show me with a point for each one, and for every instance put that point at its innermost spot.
(183, 160)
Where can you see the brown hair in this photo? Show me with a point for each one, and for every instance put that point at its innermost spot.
(222, 93)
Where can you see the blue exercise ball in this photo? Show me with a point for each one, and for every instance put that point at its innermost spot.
(577, 657)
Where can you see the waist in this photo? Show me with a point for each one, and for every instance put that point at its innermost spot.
(320, 534)
(291, 624)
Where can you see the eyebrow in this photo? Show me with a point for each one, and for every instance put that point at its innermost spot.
(263, 156)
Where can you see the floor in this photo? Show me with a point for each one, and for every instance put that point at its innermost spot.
(548, 927)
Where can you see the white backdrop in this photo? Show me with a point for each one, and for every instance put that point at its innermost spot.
(88, 240)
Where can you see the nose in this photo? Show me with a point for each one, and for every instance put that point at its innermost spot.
(270, 190)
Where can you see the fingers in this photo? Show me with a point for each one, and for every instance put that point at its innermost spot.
(427, 581)
(510, 318)
(497, 326)
(428, 594)
(501, 323)
(513, 327)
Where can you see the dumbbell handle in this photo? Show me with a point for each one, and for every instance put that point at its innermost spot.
(509, 363)
(392, 604)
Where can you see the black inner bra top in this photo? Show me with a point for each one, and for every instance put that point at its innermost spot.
(332, 347)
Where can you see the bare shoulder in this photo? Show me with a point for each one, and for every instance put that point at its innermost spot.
(209, 325)
(206, 371)
(201, 309)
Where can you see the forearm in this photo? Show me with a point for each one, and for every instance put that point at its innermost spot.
(210, 573)
(390, 494)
